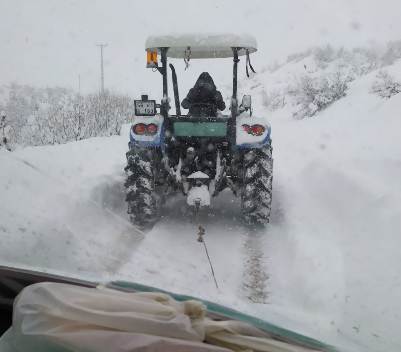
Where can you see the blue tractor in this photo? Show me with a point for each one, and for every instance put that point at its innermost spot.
(201, 153)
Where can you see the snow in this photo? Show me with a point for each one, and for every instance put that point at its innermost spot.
(212, 45)
(328, 264)
(333, 242)
(198, 175)
(199, 194)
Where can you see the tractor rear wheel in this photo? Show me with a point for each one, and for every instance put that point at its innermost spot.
(256, 192)
(141, 197)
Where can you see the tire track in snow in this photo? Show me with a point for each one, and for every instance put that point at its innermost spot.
(76, 229)
(254, 283)
(255, 276)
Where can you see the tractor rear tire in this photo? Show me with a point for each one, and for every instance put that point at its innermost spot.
(141, 197)
(257, 180)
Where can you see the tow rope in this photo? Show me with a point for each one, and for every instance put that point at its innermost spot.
(201, 239)
(201, 233)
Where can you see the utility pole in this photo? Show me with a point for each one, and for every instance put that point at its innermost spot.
(103, 45)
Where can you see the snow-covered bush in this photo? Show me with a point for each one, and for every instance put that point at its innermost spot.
(385, 86)
(392, 53)
(273, 100)
(56, 115)
(323, 56)
(298, 56)
(309, 81)
(313, 94)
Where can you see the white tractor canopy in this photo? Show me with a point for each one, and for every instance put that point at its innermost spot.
(202, 46)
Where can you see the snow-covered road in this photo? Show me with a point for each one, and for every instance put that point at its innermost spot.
(65, 211)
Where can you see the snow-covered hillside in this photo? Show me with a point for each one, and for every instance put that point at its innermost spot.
(328, 265)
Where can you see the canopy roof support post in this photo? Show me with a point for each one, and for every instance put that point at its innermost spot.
(165, 104)
(234, 101)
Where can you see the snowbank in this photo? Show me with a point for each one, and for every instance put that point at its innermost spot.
(333, 243)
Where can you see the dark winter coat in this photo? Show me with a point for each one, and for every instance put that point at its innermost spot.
(204, 99)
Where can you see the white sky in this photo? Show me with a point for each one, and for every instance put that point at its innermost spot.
(48, 43)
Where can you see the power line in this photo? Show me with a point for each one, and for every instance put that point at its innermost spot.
(103, 45)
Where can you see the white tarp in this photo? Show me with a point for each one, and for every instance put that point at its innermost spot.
(202, 45)
(60, 317)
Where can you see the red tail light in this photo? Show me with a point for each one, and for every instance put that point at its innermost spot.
(152, 129)
(256, 130)
(142, 128)
(139, 128)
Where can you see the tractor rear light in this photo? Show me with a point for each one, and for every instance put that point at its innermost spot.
(255, 130)
(151, 129)
(145, 129)
(139, 128)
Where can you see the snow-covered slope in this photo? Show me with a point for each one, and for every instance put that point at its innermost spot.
(328, 265)
(334, 247)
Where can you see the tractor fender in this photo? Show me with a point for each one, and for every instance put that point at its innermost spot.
(147, 140)
(246, 140)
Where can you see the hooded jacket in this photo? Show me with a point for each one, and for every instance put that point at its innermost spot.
(204, 92)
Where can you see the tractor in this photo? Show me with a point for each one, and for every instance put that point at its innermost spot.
(201, 153)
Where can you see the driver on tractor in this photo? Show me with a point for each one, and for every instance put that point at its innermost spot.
(204, 99)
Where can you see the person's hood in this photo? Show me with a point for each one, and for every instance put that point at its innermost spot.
(204, 80)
